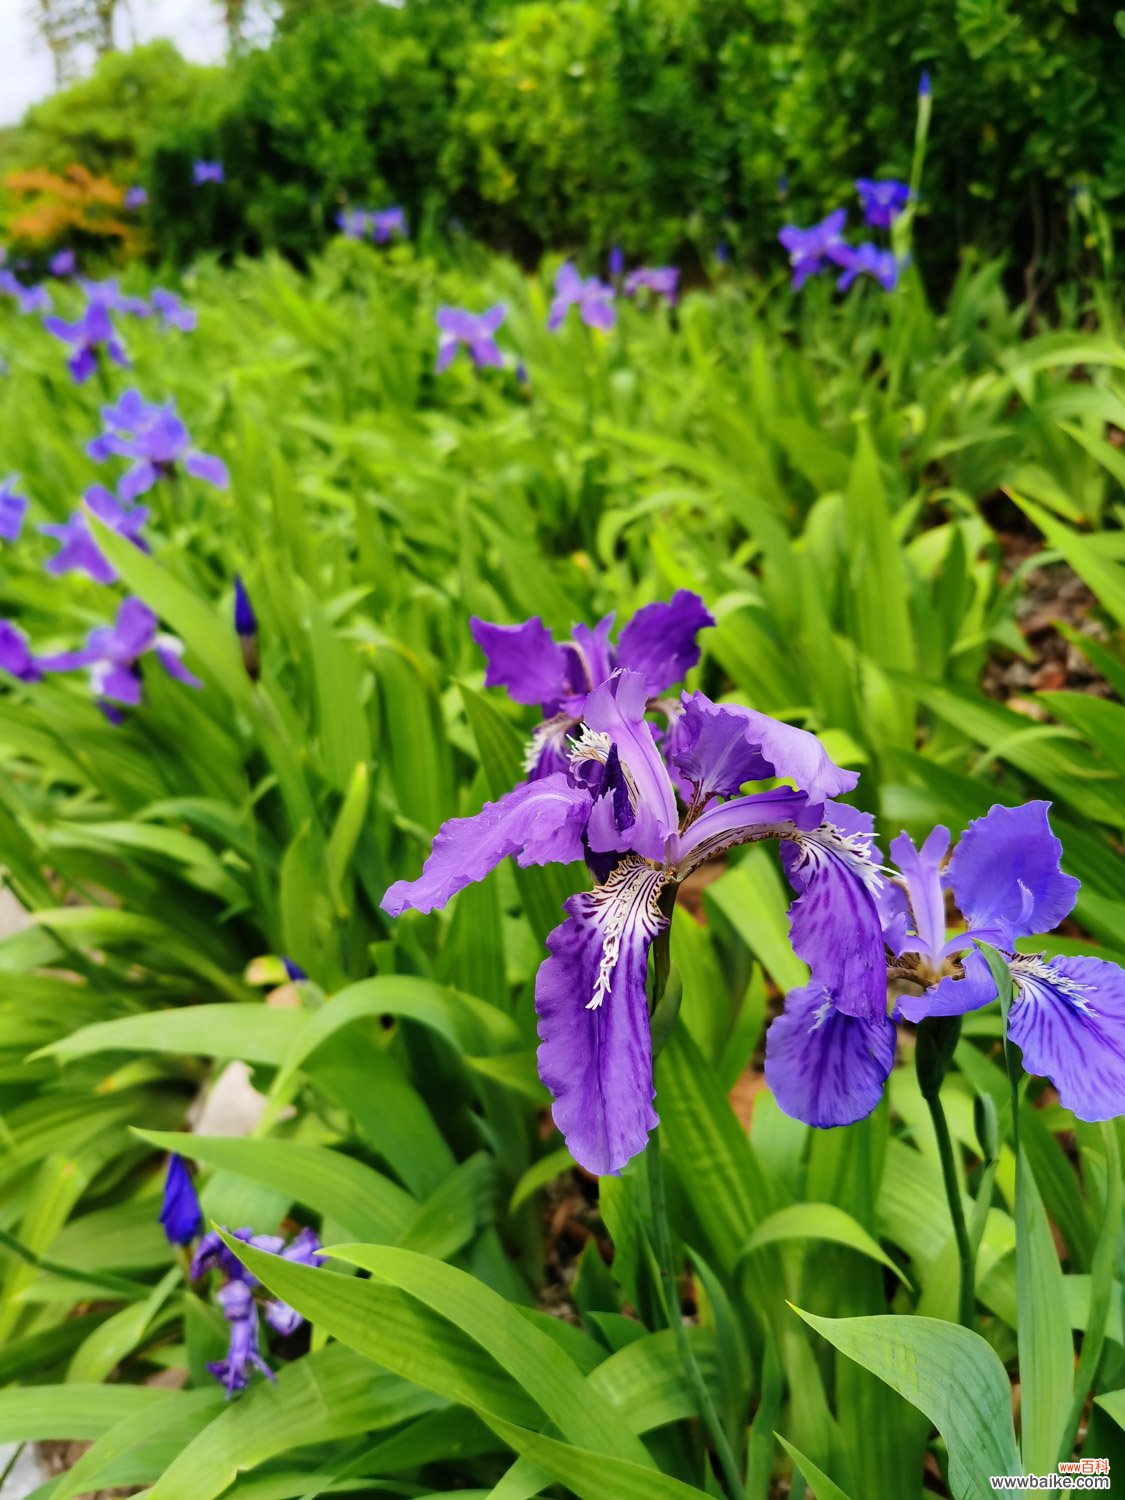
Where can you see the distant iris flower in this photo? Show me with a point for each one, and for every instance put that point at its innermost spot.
(109, 295)
(246, 628)
(616, 807)
(79, 552)
(592, 298)
(135, 197)
(30, 299)
(616, 263)
(866, 260)
(661, 281)
(475, 331)
(180, 1214)
(1068, 1015)
(64, 263)
(113, 656)
(89, 338)
(659, 642)
(157, 439)
(882, 200)
(172, 311)
(380, 225)
(15, 654)
(238, 1304)
(207, 171)
(13, 508)
(809, 249)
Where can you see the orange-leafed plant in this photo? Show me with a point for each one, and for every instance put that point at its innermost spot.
(56, 207)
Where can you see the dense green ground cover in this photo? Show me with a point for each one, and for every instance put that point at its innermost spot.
(861, 493)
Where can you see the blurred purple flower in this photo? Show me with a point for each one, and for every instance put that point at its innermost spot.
(867, 260)
(809, 248)
(65, 263)
(616, 262)
(476, 331)
(172, 311)
(379, 225)
(924, 89)
(15, 654)
(207, 171)
(31, 299)
(352, 223)
(113, 654)
(79, 551)
(882, 200)
(661, 281)
(156, 437)
(135, 197)
(180, 1214)
(13, 508)
(593, 299)
(109, 295)
(89, 337)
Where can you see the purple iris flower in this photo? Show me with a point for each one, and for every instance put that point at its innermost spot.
(810, 248)
(616, 805)
(135, 197)
(882, 200)
(113, 655)
(866, 259)
(15, 654)
(13, 508)
(207, 171)
(109, 295)
(89, 337)
(180, 1213)
(352, 223)
(924, 86)
(661, 281)
(616, 263)
(237, 1301)
(526, 660)
(386, 223)
(592, 298)
(172, 311)
(80, 552)
(64, 263)
(1068, 1015)
(156, 438)
(476, 331)
(31, 299)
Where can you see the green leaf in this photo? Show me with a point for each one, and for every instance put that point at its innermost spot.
(1086, 555)
(823, 1487)
(73, 1413)
(591, 1475)
(820, 1221)
(951, 1375)
(254, 1033)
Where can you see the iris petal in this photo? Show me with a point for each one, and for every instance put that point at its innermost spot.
(824, 1067)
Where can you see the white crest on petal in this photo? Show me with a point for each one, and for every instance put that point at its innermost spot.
(1030, 970)
(554, 732)
(629, 898)
(591, 744)
(851, 849)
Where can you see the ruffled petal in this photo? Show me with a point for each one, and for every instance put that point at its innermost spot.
(660, 642)
(593, 653)
(524, 659)
(1005, 874)
(721, 746)
(595, 1055)
(921, 869)
(540, 822)
(835, 924)
(760, 815)
(952, 996)
(208, 467)
(824, 1067)
(1068, 1020)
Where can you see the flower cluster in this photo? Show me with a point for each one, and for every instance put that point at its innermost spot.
(645, 804)
(812, 250)
(377, 225)
(182, 1220)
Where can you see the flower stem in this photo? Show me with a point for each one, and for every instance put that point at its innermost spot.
(670, 1299)
(936, 1041)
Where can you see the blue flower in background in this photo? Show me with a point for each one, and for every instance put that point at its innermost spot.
(13, 508)
(476, 332)
(157, 439)
(592, 298)
(113, 656)
(661, 281)
(79, 552)
(616, 263)
(616, 807)
(882, 200)
(246, 628)
(352, 223)
(924, 88)
(809, 249)
(109, 295)
(180, 1214)
(30, 299)
(89, 338)
(379, 225)
(63, 264)
(15, 654)
(135, 197)
(207, 171)
(172, 311)
(866, 260)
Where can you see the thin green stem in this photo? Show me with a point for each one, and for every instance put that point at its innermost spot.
(966, 1301)
(670, 1299)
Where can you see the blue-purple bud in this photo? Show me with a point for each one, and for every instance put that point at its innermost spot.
(246, 627)
(924, 84)
(294, 971)
(616, 261)
(180, 1215)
